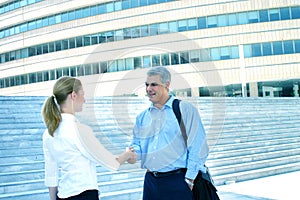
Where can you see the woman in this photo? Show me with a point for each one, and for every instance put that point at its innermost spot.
(63, 148)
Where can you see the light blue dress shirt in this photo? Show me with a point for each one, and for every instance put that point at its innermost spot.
(159, 144)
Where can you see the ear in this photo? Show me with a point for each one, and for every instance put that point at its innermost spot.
(73, 95)
(168, 85)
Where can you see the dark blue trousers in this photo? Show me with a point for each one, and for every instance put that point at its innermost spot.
(171, 187)
(86, 195)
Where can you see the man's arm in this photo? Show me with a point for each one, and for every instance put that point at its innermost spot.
(53, 193)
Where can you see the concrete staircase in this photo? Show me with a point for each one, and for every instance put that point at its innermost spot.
(249, 138)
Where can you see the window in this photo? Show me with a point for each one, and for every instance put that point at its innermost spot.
(215, 54)
(32, 77)
(173, 27)
(165, 59)
(86, 12)
(143, 3)
(129, 63)
(95, 68)
(51, 47)
(224, 51)
(194, 56)
(277, 48)
(94, 10)
(274, 14)
(65, 44)
(78, 13)
(144, 31)
(163, 28)
(127, 33)
(136, 32)
(204, 55)
(121, 64)
(79, 42)
(80, 70)
(146, 61)
(182, 25)
(154, 29)
(102, 37)
(126, 4)
(46, 75)
(288, 47)
(73, 71)
(267, 50)
(137, 62)
(72, 43)
(59, 73)
(222, 20)
(184, 57)
(110, 36)
(94, 39)
(263, 16)
(71, 15)
(58, 46)
(86, 40)
(110, 7)
(45, 48)
(155, 60)
(247, 50)
(256, 50)
(202, 22)
(174, 59)
(253, 17)
(295, 12)
(235, 52)
(118, 5)
(242, 18)
(87, 69)
(211, 21)
(297, 46)
(285, 13)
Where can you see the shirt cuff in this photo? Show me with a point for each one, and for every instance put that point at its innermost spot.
(191, 174)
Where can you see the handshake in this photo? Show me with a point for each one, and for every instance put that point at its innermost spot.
(129, 155)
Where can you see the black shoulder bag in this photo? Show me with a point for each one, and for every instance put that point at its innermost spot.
(204, 188)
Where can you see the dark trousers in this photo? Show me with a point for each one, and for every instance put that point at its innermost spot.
(171, 187)
(86, 195)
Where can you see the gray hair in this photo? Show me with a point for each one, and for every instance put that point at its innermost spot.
(163, 72)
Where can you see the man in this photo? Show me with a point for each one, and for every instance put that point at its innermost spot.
(172, 165)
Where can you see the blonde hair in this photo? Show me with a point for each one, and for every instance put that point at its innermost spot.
(51, 109)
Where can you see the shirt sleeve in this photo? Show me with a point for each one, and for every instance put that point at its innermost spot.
(51, 169)
(197, 148)
(136, 141)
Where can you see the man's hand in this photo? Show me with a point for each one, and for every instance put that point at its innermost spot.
(133, 157)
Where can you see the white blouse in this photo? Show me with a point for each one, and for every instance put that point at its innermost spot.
(66, 157)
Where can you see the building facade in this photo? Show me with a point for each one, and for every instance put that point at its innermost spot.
(213, 48)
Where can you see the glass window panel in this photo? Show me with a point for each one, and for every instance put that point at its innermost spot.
(274, 14)
(267, 50)
(144, 31)
(256, 50)
(126, 4)
(39, 50)
(103, 67)
(45, 48)
(52, 75)
(57, 45)
(31, 51)
(24, 79)
(86, 12)
(102, 9)
(102, 37)
(235, 52)
(153, 29)
(121, 65)
(112, 67)
(59, 73)
(136, 32)
(31, 25)
(242, 18)
(57, 19)
(155, 60)
(143, 3)
(277, 48)
(1, 34)
(127, 33)
(80, 70)
(135, 3)
(87, 40)
(64, 44)
(39, 76)
(94, 39)
(215, 54)
(32, 77)
(118, 5)
(12, 31)
(137, 62)
(17, 30)
(174, 58)
(152, 2)
(39, 23)
(18, 80)
(72, 43)
(211, 21)
(24, 53)
(94, 10)
(295, 12)
(146, 61)
(129, 63)
(285, 13)
(71, 15)
(119, 35)
(194, 56)
(184, 57)
(78, 13)
(110, 36)
(182, 25)
(222, 20)
(224, 51)
(201, 22)
(73, 72)
(87, 69)
(263, 16)
(51, 47)
(95, 68)
(253, 16)
(79, 42)
(297, 46)
(45, 21)
(173, 26)
(288, 47)
(165, 59)
(204, 55)
(46, 75)
(163, 28)
(12, 55)
(110, 7)
(18, 54)
(66, 71)
(51, 20)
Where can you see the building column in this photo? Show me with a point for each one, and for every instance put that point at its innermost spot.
(253, 89)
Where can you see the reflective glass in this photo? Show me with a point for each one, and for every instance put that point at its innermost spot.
(288, 47)
(285, 13)
(263, 16)
(277, 48)
(267, 50)
(274, 14)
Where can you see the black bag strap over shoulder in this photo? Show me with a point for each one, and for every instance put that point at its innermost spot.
(176, 110)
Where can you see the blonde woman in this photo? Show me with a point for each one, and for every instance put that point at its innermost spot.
(64, 151)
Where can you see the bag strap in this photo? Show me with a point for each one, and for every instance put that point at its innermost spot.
(176, 110)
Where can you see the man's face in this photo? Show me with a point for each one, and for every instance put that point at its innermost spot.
(156, 90)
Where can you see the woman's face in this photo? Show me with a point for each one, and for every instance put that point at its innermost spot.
(79, 100)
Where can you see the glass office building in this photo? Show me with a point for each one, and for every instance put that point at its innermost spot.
(213, 48)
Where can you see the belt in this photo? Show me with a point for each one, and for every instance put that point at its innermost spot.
(169, 173)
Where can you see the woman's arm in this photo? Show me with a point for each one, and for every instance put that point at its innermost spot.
(53, 193)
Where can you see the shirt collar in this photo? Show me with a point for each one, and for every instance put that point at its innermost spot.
(167, 104)
(69, 117)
